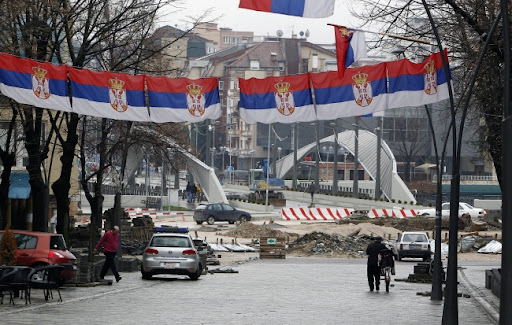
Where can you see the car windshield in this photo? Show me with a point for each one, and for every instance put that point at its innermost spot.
(170, 241)
(227, 207)
(57, 242)
(414, 238)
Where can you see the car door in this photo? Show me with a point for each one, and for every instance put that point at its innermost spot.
(229, 213)
(445, 210)
(27, 245)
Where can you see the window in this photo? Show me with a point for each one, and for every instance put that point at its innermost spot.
(226, 39)
(255, 65)
(26, 241)
(236, 40)
(57, 242)
(221, 84)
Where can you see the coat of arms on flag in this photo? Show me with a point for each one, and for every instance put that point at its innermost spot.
(195, 100)
(40, 84)
(285, 102)
(117, 95)
(362, 89)
(430, 78)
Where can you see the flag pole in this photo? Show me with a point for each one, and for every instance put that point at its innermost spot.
(388, 34)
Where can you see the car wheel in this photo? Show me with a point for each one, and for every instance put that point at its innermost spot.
(210, 220)
(199, 222)
(194, 276)
(145, 275)
(231, 222)
(243, 219)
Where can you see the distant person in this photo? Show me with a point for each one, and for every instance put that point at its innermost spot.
(188, 192)
(311, 189)
(373, 269)
(193, 192)
(110, 241)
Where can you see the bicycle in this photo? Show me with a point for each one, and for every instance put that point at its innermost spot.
(386, 273)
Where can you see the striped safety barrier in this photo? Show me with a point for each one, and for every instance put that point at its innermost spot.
(315, 214)
(329, 214)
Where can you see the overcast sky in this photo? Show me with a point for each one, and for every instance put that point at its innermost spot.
(262, 23)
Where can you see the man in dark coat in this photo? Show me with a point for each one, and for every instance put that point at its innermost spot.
(373, 269)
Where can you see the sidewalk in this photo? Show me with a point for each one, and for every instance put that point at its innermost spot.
(288, 291)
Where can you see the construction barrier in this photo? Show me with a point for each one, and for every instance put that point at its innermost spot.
(315, 214)
(330, 214)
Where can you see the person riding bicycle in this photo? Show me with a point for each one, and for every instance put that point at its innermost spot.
(387, 259)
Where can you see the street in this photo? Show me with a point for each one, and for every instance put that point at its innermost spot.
(289, 291)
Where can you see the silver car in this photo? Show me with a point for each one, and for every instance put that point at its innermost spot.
(171, 253)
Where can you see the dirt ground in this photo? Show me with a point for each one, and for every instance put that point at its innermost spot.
(348, 238)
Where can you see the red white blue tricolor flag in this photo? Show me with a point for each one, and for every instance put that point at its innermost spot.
(284, 99)
(361, 91)
(414, 84)
(30, 82)
(301, 8)
(183, 99)
(350, 47)
(117, 96)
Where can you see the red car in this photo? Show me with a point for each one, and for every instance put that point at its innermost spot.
(39, 249)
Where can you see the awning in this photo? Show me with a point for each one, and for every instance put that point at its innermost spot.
(20, 187)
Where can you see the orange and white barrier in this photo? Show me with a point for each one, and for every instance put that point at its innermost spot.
(377, 213)
(330, 214)
(315, 214)
(392, 213)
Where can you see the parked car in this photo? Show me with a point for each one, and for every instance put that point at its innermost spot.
(37, 249)
(219, 212)
(464, 208)
(172, 253)
(412, 244)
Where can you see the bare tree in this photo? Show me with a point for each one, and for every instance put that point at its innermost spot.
(464, 26)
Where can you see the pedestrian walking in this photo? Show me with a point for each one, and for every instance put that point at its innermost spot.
(193, 191)
(311, 190)
(110, 241)
(373, 269)
(188, 192)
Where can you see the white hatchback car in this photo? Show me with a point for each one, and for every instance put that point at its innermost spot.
(412, 244)
(464, 208)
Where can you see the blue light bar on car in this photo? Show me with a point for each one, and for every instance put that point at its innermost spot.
(171, 229)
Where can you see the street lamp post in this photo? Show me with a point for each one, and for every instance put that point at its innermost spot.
(222, 150)
(213, 157)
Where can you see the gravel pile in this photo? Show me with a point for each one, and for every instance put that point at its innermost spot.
(250, 230)
(322, 244)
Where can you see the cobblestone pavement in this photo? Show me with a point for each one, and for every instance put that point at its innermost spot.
(289, 291)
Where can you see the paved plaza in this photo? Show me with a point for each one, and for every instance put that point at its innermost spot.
(287, 291)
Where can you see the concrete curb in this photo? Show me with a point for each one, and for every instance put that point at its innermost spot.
(479, 297)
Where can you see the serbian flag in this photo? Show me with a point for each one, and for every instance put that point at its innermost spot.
(30, 82)
(361, 91)
(116, 96)
(301, 8)
(415, 84)
(284, 99)
(183, 99)
(350, 47)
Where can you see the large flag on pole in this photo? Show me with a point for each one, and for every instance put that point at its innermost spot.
(183, 99)
(301, 8)
(350, 47)
(30, 82)
(360, 92)
(284, 99)
(415, 84)
(117, 96)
